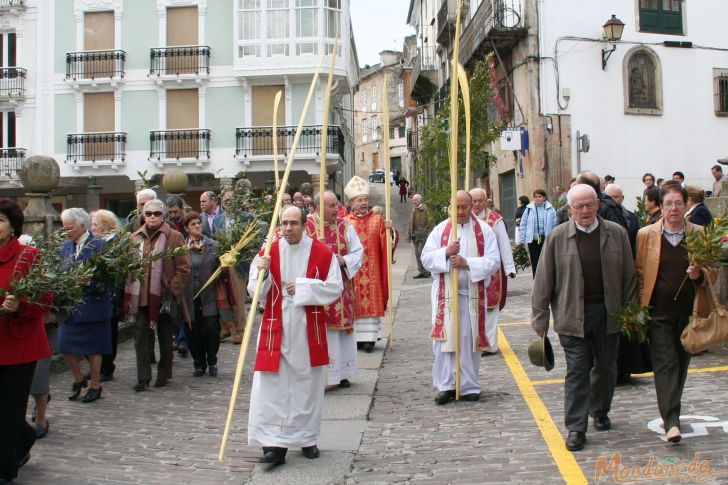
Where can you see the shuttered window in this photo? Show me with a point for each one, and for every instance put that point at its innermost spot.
(661, 16)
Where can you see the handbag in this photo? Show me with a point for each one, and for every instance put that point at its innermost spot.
(703, 333)
(169, 307)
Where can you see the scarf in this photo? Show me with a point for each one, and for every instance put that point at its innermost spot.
(133, 287)
(195, 245)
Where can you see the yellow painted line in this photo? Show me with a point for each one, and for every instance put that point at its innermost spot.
(569, 468)
(646, 375)
(515, 323)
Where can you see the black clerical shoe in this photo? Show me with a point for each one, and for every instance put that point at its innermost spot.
(274, 456)
(310, 452)
(470, 397)
(602, 424)
(212, 370)
(199, 372)
(444, 397)
(344, 383)
(488, 353)
(575, 441)
(160, 382)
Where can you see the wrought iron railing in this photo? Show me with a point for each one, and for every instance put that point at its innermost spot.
(11, 160)
(176, 144)
(95, 64)
(412, 144)
(492, 17)
(258, 141)
(96, 147)
(12, 82)
(426, 60)
(12, 3)
(173, 61)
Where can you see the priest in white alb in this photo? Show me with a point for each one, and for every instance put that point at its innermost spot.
(475, 254)
(341, 238)
(287, 396)
(498, 287)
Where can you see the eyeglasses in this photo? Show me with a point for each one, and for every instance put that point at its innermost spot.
(588, 205)
(677, 205)
(153, 213)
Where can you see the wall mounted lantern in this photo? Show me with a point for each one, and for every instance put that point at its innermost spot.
(613, 30)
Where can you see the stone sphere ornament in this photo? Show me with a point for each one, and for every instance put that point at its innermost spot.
(175, 181)
(40, 174)
(243, 186)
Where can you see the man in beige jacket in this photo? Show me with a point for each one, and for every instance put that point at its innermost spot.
(585, 274)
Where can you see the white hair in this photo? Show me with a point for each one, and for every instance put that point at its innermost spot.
(76, 215)
(478, 189)
(613, 189)
(146, 193)
(158, 203)
(579, 188)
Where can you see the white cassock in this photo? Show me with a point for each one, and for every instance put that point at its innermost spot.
(286, 406)
(480, 268)
(509, 266)
(342, 344)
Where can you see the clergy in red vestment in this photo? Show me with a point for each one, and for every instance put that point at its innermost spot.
(371, 282)
(286, 400)
(341, 238)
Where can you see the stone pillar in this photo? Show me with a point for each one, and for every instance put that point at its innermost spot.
(40, 175)
(138, 185)
(315, 182)
(93, 196)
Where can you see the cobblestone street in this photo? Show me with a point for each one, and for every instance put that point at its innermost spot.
(386, 428)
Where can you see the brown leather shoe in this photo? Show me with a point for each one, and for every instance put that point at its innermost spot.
(237, 339)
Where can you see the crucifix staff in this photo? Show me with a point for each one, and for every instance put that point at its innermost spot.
(261, 274)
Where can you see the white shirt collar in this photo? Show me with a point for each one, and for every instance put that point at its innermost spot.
(591, 227)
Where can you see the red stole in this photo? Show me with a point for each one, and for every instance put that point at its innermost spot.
(370, 283)
(498, 286)
(271, 328)
(340, 314)
(438, 330)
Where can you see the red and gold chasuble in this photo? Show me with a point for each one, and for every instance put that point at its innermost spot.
(268, 358)
(438, 330)
(498, 286)
(340, 314)
(370, 283)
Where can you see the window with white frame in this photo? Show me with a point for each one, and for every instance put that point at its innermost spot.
(249, 20)
(364, 130)
(720, 88)
(306, 27)
(332, 20)
(374, 98)
(400, 94)
(375, 128)
(363, 95)
(277, 30)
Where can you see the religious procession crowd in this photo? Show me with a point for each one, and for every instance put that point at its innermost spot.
(325, 291)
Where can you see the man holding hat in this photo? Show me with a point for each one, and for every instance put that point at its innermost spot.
(586, 274)
(370, 283)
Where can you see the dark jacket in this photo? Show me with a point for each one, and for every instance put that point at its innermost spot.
(202, 266)
(218, 223)
(700, 215)
(96, 305)
(610, 210)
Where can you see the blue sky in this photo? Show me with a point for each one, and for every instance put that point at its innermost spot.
(379, 25)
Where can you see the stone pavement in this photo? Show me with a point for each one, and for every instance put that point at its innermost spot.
(386, 427)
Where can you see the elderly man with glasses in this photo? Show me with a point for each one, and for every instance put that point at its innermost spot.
(586, 273)
(164, 280)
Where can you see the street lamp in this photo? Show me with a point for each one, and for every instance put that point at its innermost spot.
(613, 30)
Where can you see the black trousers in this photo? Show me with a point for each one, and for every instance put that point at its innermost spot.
(107, 361)
(670, 362)
(144, 339)
(16, 435)
(204, 338)
(534, 250)
(591, 370)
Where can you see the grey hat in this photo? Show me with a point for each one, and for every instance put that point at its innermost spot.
(541, 354)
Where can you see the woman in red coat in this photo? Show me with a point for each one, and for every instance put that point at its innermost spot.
(403, 183)
(22, 343)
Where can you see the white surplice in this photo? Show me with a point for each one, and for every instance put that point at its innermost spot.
(436, 262)
(342, 343)
(286, 406)
(509, 266)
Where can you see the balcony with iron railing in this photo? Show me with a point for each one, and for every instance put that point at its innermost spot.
(178, 145)
(12, 82)
(180, 61)
(424, 73)
(11, 160)
(412, 143)
(257, 141)
(11, 5)
(446, 21)
(96, 147)
(95, 65)
(496, 23)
